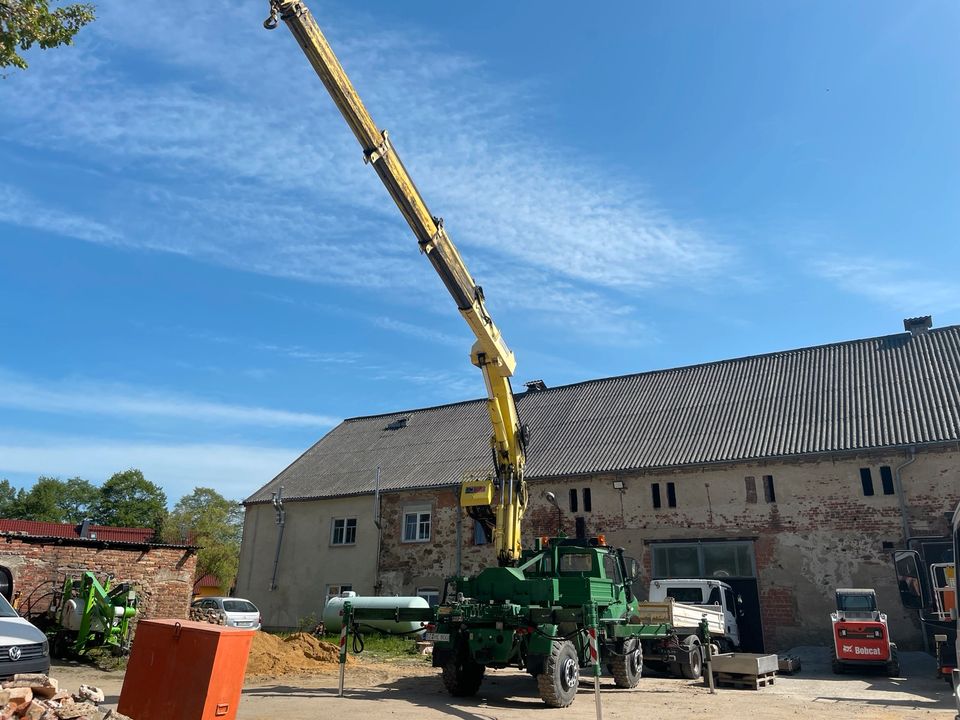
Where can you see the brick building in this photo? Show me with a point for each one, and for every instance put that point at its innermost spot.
(787, 475)
(35, 557)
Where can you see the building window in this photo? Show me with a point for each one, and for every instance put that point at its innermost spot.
(886, 478)
(334, 590)
(866, 480)
(430, 594)
(750, 484)
(343, 531)
(574, 507)
(416, 524)
(703, 560)
(480, 536)
(587, 500)
(655, 489)
(769, 494)
(671, 495)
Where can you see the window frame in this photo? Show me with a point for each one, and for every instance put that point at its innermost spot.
(419, 511)
(657, 570)
(345, 528)
(429, 591)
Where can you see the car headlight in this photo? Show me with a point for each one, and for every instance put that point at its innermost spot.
(45, 648)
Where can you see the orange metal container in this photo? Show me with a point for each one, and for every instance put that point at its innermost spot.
(185, 671)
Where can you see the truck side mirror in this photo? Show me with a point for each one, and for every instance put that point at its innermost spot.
(633, 569)
(910, 583)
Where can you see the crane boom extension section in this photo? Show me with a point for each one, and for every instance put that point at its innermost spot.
(490, 353)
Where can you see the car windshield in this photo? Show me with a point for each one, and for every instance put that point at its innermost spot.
(6, 610)
(239, 606)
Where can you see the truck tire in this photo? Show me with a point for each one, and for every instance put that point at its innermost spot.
(461, 675)
(627, 668)
(693, 670)
(560, 679)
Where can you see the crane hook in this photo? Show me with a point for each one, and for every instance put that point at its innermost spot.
(271, 22)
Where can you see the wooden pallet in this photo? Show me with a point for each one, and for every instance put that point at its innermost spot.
(744, 682)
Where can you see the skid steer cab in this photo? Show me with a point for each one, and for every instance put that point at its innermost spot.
(861, 637)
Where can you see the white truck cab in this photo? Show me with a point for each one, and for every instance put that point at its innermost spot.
(693, 591)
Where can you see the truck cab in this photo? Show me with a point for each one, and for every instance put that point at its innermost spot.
(695, 591)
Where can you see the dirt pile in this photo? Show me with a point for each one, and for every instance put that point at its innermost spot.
(272, 655)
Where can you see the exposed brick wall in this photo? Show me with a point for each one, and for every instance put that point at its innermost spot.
(820, 534)
(163, 576)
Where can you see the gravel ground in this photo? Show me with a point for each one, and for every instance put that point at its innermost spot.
(414, 692)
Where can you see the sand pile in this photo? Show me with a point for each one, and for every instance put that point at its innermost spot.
(272, 655)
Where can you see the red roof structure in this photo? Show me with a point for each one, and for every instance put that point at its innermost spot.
(88, 531)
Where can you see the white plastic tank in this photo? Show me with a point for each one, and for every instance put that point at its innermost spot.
(333, 612)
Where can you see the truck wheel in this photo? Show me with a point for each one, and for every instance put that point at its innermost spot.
(560, 678)
(462, 676)
(893, 664)
(627, 669)
(693, 670)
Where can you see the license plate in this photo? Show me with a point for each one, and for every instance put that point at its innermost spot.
(437, 637)
(244, 624)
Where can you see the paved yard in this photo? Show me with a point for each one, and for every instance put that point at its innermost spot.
(405, 692)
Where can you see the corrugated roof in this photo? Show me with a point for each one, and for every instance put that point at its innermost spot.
(36, 528)
(881, 392)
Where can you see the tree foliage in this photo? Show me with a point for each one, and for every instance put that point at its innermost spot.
(128, 499)
(206, 518)
(25, 23)
(49, 500)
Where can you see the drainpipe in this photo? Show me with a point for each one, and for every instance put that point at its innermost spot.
(376, 521)
(902, 500)
(459, 534)
(281, 521)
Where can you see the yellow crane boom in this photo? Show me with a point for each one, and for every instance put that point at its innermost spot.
(507, 493)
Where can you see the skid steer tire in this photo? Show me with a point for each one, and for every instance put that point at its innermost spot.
(628, 668)
(893, 664)
(461, 675)
(560, 679)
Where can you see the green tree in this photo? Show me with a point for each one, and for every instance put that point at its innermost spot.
(128, 499)
(24, 23)
(8, 499)
(206, 518)
(51, 499)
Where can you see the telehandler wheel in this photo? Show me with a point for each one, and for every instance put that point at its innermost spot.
(560, 678)
(693, 670)
(627, 669)
(462, 676)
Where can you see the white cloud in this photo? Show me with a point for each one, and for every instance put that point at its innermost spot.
(237, 156)
(907, 287)
(234, 470)
(83, 398)
(18, 208)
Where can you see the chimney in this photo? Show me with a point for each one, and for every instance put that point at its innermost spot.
(918, 325)
(535, 386)
(85, 528)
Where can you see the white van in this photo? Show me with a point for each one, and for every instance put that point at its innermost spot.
(23, 648)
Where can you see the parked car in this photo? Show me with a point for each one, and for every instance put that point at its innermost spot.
(23, 647)
(240, 613)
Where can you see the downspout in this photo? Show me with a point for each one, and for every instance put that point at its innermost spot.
(905, 523)
(459, 534)
(281, 521)
(377, 585)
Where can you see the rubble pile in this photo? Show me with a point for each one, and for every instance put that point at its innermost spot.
(35, 696)
(208, 615)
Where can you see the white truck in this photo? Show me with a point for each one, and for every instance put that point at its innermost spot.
(683, 604)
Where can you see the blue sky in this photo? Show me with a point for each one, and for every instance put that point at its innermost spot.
(199, 277)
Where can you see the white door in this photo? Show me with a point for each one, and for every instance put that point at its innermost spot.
(730, 613)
